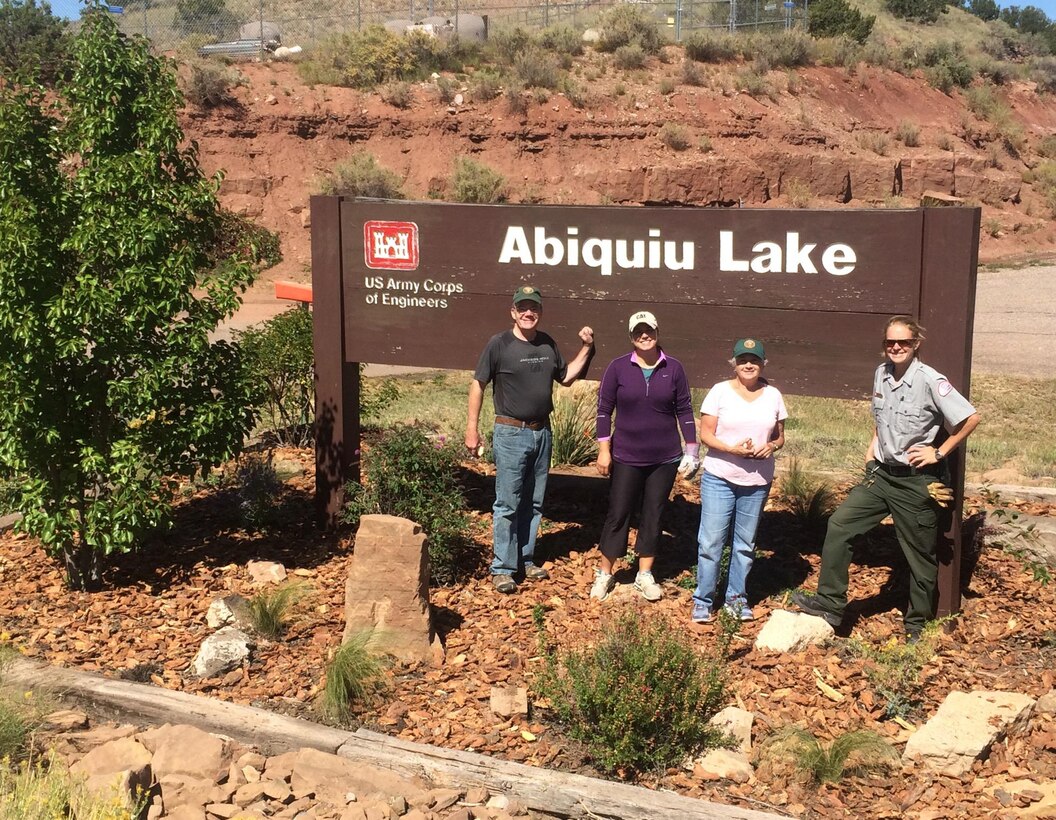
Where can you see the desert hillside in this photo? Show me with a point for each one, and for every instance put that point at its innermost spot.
(816, 137)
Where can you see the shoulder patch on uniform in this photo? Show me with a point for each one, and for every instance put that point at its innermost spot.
(944, 387)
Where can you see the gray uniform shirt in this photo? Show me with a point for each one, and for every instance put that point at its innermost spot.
(523, 372)
(913, 410)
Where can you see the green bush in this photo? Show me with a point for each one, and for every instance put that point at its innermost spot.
(837, 18)
(918, 11)
(360, 175)
(14, 730)
(1043, 72)
(629, 57)
(693, 74)
(626, 25)
(894, 670)
(641, 698)
(859, 752)
(810, 499)
(280, 359)
(256, 487)
(241, 237)
(485, 85)
(674, 136)
(908, 133)
(476, 183)
(45, 790)
(786, 49)
(362, 59)
(536, 68)
(209, 84)
(562, 40)
(572, 427)
(505, 44)
(268, 610)
(353, 676)
(211, 17)
(34, 44)
(409, 475)
(711, 47)
(1047, 147)
(397, 93)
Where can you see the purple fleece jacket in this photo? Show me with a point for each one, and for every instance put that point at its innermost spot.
(648, 413)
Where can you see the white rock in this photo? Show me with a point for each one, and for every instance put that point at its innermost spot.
(723, 764)
(792, 632)
(221, 652)
(738, 723)
(264, 572)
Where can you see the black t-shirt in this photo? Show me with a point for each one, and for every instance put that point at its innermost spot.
(523, 373)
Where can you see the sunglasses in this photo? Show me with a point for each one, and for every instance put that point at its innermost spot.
(900, 342)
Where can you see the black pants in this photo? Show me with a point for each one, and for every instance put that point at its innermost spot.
(628, 487)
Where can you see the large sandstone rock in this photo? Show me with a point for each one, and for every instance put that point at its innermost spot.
(188, 751)
(964, 729)
(738, 724)
(387, 590)
(119, 767)
(792, 632)
(333, 779)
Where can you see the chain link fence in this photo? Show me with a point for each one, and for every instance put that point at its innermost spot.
(170, 24)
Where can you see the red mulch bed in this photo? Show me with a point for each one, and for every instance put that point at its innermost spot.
(149, 621)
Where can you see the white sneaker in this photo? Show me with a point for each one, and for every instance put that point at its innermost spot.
(603, 582)
(647, 585)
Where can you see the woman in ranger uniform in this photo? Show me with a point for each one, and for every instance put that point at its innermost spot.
(905, 477)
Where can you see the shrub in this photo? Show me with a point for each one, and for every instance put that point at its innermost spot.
(45, 790)
(257, 486)
(486, 85)
(798, 193)
(674, 136)
(642, 696)
(837, 18)
(34, 44)
(788, 49)
(360, 175)
(627, 25)
(630, 56)
(693, 74)
(705, 144)
(944, 142)
(1047, 147)
(209, 84)
(810, 500)
(874, 141)
(908, 133)
(575, 93)
(211, 17)
(397, 93)
(535, 68)
(838, 51)
(517, 99)
(1043, 72)
(280, 359)
(361, 59)
(711, 47)
(268, 609)
(353, 676)
(475, 182)
(894, 670)
(667, 86)
(446, 88)
(506, 44)
(408, 475)
(917, 11)
(242, 237)
(572, 427)
(858, 752)
(14, 730)
(562, 40)
(753, 83)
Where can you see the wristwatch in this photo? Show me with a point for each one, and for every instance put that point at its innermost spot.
(939, 455)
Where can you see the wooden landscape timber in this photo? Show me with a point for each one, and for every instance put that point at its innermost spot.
(542, 790)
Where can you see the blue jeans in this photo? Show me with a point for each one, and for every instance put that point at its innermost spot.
(522, 463)
(725, 506)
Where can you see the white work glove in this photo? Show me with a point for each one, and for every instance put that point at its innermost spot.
(690, 463)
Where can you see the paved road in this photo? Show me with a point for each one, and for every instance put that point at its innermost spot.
(1015, 322)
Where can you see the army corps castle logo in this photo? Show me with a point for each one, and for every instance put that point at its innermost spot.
(390, 245)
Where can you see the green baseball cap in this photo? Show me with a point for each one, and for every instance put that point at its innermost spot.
(526, 293)
(751, 347)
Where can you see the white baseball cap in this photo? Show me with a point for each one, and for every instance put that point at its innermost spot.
(642, 317)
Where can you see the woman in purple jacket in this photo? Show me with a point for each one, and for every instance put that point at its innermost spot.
(649, 394)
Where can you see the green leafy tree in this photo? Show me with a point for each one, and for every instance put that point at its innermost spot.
(985, 9)
(832, 18)
(107, 299)
(918, 11)
(33, 42)
(211, 17)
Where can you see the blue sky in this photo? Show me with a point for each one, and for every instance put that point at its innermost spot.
(72, 8)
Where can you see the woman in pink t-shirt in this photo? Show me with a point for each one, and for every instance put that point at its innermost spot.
(742, 423)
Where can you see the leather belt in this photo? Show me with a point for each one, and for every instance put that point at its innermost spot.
(529, 425)
(903, 470)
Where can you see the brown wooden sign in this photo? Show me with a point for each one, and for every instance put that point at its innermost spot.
(427, 284)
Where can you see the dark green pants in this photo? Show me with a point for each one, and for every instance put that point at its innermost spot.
(916, 517)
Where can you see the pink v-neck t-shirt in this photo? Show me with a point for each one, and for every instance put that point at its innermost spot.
(738, 420)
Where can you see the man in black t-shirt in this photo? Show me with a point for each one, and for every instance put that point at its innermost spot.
(523, 363)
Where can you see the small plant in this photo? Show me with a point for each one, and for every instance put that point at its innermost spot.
(268, 610)
(446, 88)
(992, 227)
(627, 25)
(857, 752)
(908, 133)
(486, 85)
(874, 141)
(753, 83)
(572, 427)
(667, 86)
(397, 93)
(354, 675)
(642, 696)
(536, 68)
(711, 47)
(789, 49)
(209, 84)
(705, 144)
(629, 57)
(575, 93)
(45, 790)
(893, 668)
(1047, 147)
(413, 476)
(674, 136)
(619, 89)
(810, 500)
(837, 18)
(361, 176)
(693, 74)
(14, 729)
(257, 487)
(475, 182)
(517, 98)
(798, 193)
(944, 142)
(562, 40)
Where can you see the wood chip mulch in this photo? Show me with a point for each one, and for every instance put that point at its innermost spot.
(149, 621)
